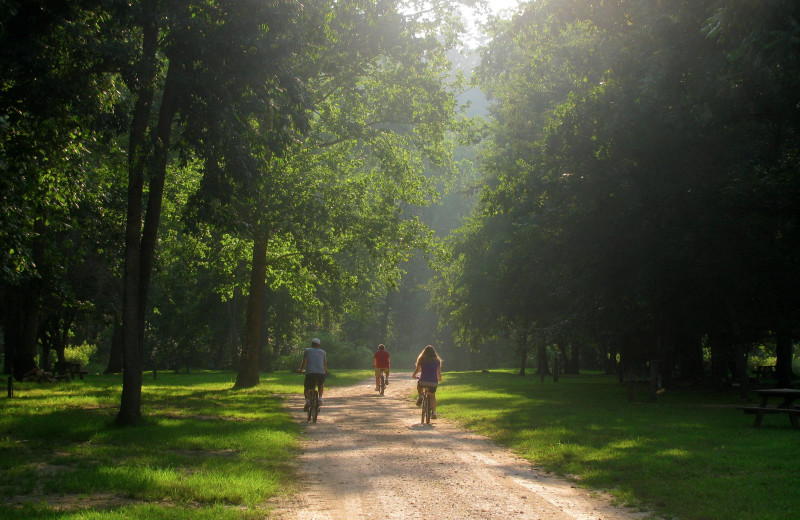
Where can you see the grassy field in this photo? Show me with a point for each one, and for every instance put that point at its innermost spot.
(204, 450)
(689, 456)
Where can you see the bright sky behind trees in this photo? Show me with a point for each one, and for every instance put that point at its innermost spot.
(497, 7)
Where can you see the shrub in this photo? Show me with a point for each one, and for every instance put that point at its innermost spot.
(80, 353)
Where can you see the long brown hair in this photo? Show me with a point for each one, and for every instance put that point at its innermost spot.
(427, 355)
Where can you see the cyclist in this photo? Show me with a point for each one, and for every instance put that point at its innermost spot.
(381, 364)
(429, 366)
(315, 361)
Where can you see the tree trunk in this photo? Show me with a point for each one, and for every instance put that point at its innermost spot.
(556, 367)
(11, 329)
(783, 337)
(542, 361)
(233, 343)
(115, 355)
(133, 351)
(30, 335)
(20, 331)
(739, 354)
(130, 404)
(54, 337)
(46, 340)
(248, 364)
(689, 353)
(718, 362)
(155, 196)
(574, 360)
(783, 360)
(132, 348)
(8, 341)
(60, 338)
(265, 357)
(28, 308)
(668, 366)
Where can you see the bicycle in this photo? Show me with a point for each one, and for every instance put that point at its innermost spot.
(382, 385)
(426, 406)
(313, 403)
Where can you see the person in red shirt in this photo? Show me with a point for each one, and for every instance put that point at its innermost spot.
(381, 364)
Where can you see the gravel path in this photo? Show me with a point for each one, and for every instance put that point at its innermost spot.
(368, 457)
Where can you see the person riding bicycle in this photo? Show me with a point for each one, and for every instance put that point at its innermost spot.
(315, 361)
(429, 366)
(381, 364)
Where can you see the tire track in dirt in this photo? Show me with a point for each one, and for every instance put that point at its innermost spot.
(368, 457)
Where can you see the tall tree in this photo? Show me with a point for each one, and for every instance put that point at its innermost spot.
(336, 205)
(220, 67)
(56, 102)
(762, 74)
(633, 172)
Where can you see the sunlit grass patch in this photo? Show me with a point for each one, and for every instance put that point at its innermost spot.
(200, 444)
(199, 440)
(132, 511)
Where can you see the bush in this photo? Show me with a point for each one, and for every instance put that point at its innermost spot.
(80, 353)
(347, 355)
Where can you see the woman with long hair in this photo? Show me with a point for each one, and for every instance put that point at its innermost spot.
(429, 368)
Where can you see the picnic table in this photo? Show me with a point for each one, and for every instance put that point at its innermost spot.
(788, 396)
(68, 368)
(764, 371)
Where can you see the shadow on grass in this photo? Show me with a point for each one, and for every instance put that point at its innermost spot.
(686, 453)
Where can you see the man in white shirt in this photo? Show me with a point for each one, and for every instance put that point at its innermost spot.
(315, 361)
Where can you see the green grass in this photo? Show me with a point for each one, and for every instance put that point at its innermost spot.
(203, 450)
(689, 455)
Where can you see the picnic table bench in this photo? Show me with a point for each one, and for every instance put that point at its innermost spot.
(68, 368)
(787, 395)
(764, 371)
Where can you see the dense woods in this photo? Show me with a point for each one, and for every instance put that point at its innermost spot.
(190, 185)
(641, 198)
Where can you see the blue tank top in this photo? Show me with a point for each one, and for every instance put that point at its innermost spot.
(429, 371)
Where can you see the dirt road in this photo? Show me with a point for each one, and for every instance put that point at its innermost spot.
(368, 457)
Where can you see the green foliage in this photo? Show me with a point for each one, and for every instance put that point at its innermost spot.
(60, 105)
(57, 104)
(328, 149)
(81, 354)
(631, 194)
(344, 354)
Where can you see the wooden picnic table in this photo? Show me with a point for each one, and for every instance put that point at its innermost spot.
(68, 368)
(764, 371)
(788, 396)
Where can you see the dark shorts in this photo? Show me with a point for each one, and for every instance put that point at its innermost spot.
(313, 380)
(427, 384)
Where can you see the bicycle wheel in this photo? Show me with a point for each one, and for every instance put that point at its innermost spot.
(312, 406)
(315, 408)
(383, 382)
(428, 410)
